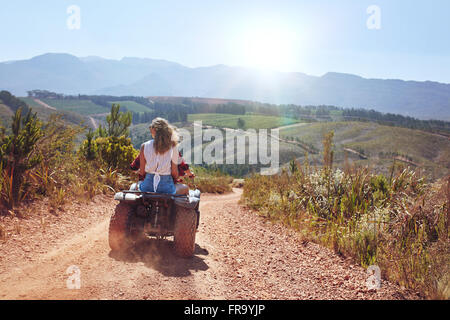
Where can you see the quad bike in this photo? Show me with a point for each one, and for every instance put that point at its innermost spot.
(144, 214)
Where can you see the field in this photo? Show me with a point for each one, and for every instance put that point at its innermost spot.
(252, 121)
(83, 107)
(132, 106)
(380, 144)
(44, 114)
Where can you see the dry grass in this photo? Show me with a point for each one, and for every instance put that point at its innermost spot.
(208, 181)
(400, 225)
(62, 174)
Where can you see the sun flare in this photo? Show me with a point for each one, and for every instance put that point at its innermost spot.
(269, 48)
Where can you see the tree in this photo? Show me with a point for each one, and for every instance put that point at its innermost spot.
(293, 166)
(328, 152)
(101, 132)
(89, 147)
(17, 153)
(111, 145)
(118, 122)
(328, 155)
(13, 102)
(241, 123)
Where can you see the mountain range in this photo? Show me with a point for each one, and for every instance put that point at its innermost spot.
(65, 73)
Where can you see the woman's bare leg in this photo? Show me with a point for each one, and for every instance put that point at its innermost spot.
(182, 189)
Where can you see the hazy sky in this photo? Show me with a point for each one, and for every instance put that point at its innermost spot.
(310, 36)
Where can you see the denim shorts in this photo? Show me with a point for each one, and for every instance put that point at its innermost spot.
(166, 184)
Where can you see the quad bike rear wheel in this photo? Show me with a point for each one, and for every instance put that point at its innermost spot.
(118, 228)
(185, 231)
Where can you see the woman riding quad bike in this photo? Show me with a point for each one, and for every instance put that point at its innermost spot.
(183, 171)
(156, 206)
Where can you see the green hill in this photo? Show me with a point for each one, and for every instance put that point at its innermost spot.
(253, 121)
(45, 113)
(379, 144)
(83, 107)
(132, 106)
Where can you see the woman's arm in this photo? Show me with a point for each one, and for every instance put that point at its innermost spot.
(174, 167)
(142, 162)
(175, 173)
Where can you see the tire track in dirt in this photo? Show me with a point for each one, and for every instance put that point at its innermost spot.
(239, 255)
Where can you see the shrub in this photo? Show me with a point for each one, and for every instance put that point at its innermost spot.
(88, 148)
(111, 145)
(116, 152)
(39, 159)
(59, 161)
(18, 155)
(209, 181)
(404, 230)
(402, 225)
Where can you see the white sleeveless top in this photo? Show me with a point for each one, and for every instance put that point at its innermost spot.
(160, 164)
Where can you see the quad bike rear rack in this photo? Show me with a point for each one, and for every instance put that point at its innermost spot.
(187, 201)
(156, 196)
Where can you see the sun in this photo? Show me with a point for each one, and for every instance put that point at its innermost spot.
(269, 48)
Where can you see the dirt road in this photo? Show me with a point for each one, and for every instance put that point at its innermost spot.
(93, 122)
(44, 104)
(238, 256)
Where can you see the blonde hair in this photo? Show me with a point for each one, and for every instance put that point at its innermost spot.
(165, 137)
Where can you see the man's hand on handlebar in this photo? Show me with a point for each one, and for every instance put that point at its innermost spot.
(190, 174)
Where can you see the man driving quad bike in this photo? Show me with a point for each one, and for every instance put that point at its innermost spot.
(156, 206)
